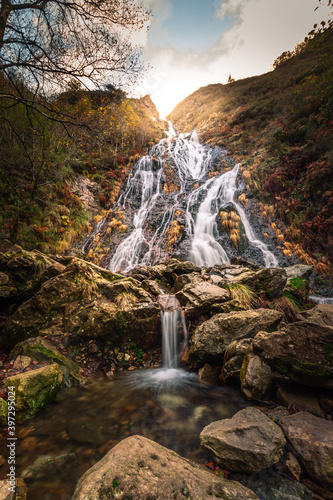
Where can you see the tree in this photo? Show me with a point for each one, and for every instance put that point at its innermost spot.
(47, 43)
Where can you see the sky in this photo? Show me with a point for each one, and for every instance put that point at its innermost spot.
(193, 43)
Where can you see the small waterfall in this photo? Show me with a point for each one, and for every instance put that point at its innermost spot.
(173, 326)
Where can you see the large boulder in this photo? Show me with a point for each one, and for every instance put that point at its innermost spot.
(312, 439)
(40, 349)
(247, 442)
(211, 339)
(34, 390)
(22, 273)
(302, 352)
(90, 301)
(322, 314)
(199, 295)
(140, 469)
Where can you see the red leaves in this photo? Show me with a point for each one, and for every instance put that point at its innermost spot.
(218, 470)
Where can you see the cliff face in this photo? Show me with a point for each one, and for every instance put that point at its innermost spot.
(279, 125)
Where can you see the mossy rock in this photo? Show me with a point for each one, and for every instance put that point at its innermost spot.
(34, 390)
(3, 411)
(40, 349)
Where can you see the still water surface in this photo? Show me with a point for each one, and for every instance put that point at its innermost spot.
(169, 406)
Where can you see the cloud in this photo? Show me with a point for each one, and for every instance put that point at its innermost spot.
(261, 31)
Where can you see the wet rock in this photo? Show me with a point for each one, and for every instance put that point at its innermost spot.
(141, 469)
(211, 339)
(247, 442)
(301, 352)
(231, 273)
(269, 485)
(299, 271)
(34, 390)
(312, 439)
(151, 287)
(40, 349)
(46, 465)
(3, 411)
(209, 374)
(179, 268)
(303, 399)
(269, 282)
(256, 377)
(233, 359)
(199, 296)
(186, 279)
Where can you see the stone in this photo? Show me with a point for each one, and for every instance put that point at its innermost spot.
(212, 337)
(247, 442)
(20, 490)
(140, 469)
(151, 287)
(269, 485)
(322, 314)
(269, 282)
(26, 271)
(186, 279)
(302, 352)
(312, 439)
(304, 399)
(256, 377)
(91, 302)
(299, 271)
(41, 350)
(3, 411)
(34, 390)
(209, 374)
(198, 296)
(233, 359)
(44, 465)
(21, 362)
(178, 268)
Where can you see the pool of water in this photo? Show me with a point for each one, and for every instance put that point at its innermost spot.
(169, 406)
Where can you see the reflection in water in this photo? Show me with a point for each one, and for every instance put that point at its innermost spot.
(169, 406)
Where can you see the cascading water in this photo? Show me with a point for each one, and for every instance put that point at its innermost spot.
(180, 184)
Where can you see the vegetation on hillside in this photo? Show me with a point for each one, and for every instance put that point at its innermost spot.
(41, 158)
(280, 126)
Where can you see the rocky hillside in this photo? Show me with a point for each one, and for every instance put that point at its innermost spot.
(279, 125)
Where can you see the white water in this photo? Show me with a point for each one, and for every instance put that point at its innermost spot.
(321, 300)
(189, 161)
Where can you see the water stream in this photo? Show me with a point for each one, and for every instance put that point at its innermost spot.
(175, 178)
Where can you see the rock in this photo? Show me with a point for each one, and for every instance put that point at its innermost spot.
(186, 279)
(40, 349)
(92, 302)
(228, 307)
(21, 362)
(178, 268)
(141, 469)
(151, 287)
(269, 485)
(256, 377)
(197, 297)
(312, 439)
(24, 272)
(291, 467)
(303, 399)
(302, 352)
(299, 271)
(233, 359)
(209, 374)
(211, 339)
(45, 465)
(269, 282)
(247, 442)
(18, 490)
(3, 411)
(34, 390)
(322, 314)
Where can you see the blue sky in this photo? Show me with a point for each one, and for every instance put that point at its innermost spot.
(191, 25)
(193, 43)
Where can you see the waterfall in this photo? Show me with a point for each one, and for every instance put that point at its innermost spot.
(177, 177)
(170, 320)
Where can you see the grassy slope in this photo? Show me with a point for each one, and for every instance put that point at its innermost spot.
(39, 162)
(279, 125)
